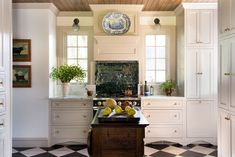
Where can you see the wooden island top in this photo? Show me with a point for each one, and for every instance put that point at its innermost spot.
(117, 139)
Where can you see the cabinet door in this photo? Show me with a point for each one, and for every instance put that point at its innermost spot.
(191, 26)
(200, 119)
(232, 75)
(232, 15)
(192, 80)
(224, 9)
(224, 48)
(205, 29)
(224, 135)
(205, 73)
(232, 118)
(3, 137)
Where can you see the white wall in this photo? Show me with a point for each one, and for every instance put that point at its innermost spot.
(30, 105)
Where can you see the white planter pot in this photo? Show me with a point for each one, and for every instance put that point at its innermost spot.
(65, 89)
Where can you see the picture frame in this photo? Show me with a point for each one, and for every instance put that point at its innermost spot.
(21, 50)
(21, 75)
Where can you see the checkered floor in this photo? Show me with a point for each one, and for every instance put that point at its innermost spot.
(151, 150)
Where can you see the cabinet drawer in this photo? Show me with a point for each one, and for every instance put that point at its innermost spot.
(72, 104)
(68, 117)
(2, 83)
(164, 131)
(2, 103)
(163, 116)
(69, 132)
(161, 104)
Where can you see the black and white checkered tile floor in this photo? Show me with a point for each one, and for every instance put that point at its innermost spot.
(151, 150)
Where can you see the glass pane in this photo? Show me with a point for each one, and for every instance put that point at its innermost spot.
(82, 40)
(86, 78)
(160, 64)
(71, 40)
(160, 52)
(72, 53)
(150, 64)
(160, 40)
(150, 76)
(72, 62)
(83, 64)
(82, 52)
(150, 52)
(150, 40)
(160, 76)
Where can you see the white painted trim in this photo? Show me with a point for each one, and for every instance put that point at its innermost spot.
(75, 13)
(157, 13)
(199, 5)
(123, 7)
(68, 21)
(164, 20)
(49, 6)
(30, 142)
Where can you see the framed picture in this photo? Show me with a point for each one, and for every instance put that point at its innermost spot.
(21, 50)
(21, 76)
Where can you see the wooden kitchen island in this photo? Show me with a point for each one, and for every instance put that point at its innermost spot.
(117, 139)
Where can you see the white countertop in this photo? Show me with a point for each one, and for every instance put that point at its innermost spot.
(163, 97)
(71, 98)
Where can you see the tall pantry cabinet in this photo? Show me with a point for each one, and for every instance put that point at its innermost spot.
(5, 77)
(196, 74)
(226, 120)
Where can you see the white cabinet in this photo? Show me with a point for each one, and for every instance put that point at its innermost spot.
(165, 117)
(199, 81)
(199, 27)
(226, 17)
(200, 118)
(70, 120)
(3, 137)
(227, 74)
(226, 134)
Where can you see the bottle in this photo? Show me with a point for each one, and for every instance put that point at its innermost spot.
(151, 90)
(146, 89)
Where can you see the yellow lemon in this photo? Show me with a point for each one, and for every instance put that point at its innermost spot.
(111, 103)
(118, 110)
(131, 112)
(107, 111)
(127, 108)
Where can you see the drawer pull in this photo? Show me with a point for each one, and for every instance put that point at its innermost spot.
(175, 115)
(148, 131)
(57, 132)
(175, 104)
(148, 103)
(57, 116)
(1, 124)
(1, 103)
(84, 104)
(200, 73)
(227, 118)
(1, 82)
(175, 131)
(84, 116)
(148, 116)
(226, 74)
(84, 131)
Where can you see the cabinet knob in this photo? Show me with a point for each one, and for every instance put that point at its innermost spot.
(148, 103)
(175, 131)
(148, 116)
(57, 132)
(84, 131)
(1, 103)
(175, 115)
(148, 131)
(226, 74)
(1, 124)
(175, 104)
(84, 116)
(1, 82)
(57, 116)
(84, 104)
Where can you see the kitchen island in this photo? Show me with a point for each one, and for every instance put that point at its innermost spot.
(117, 139)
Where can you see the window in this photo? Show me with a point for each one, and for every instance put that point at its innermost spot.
(155, 60)
(77, 51)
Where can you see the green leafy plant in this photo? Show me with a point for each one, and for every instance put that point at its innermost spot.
(65, 73)
(168, 86)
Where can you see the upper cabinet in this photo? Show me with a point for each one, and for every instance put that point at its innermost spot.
(226, 17)
(199, 27)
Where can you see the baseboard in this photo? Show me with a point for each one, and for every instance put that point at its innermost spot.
(29, 142)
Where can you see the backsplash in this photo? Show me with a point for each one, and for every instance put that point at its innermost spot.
(112, 78)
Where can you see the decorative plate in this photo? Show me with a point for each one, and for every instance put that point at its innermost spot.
(116, 23)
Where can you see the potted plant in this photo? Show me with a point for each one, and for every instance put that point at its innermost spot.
(168, 87)
(65, 73)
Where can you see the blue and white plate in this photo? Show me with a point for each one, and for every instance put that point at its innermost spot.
(116, 23)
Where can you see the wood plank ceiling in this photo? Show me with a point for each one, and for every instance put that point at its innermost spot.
(83, 5)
